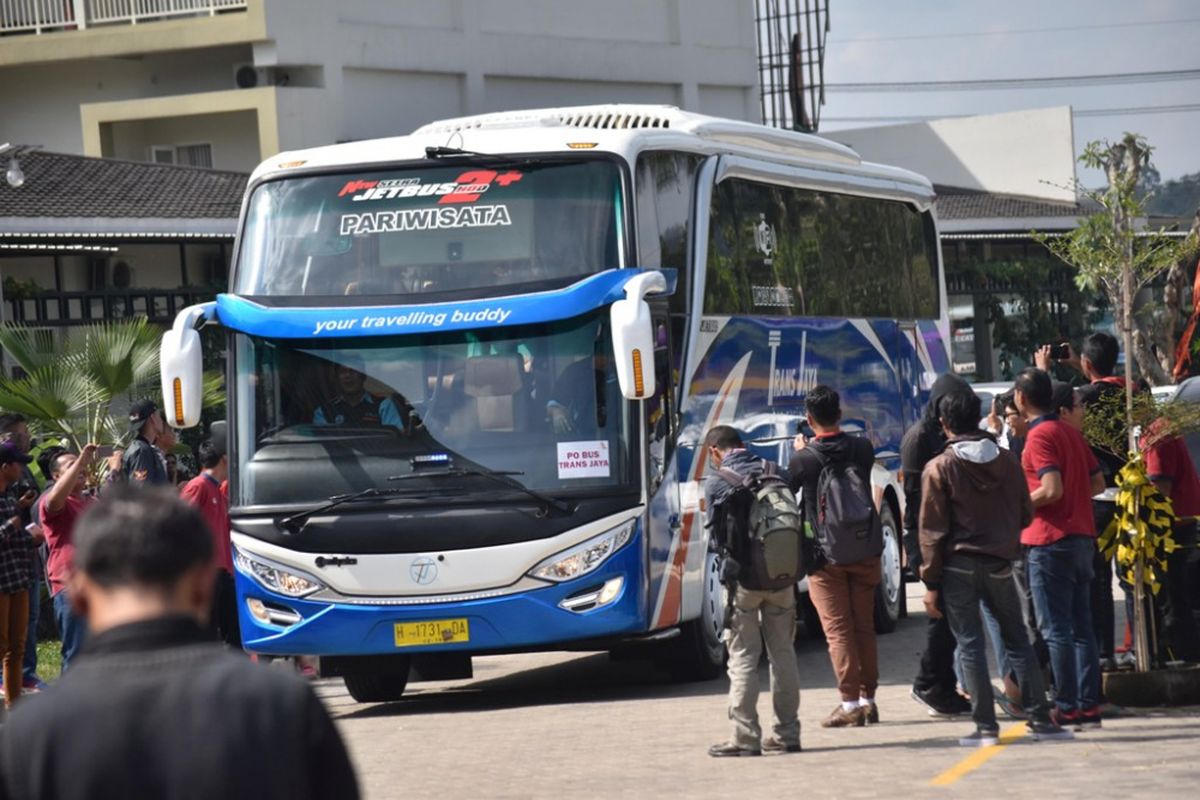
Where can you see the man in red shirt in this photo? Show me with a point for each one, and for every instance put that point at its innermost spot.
(60, 508)
(1062, 474)
(204, 493)
(1170, 466)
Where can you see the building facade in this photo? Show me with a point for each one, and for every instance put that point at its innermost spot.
(228, 83)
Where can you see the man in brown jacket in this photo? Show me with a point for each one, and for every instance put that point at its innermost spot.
(974, 503)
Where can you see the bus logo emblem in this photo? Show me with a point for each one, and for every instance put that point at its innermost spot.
(423, 570)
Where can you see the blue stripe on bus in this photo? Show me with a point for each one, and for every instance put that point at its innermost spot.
(595, 291)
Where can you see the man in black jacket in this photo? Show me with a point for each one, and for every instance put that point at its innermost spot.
(935, 684)
(152, 708)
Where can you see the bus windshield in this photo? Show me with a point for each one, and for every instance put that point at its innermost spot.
(432, 231)
(321, 418)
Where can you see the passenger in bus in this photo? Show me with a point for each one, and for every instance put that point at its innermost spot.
(354, 405)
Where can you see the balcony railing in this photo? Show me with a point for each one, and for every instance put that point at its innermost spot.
(56, 309)
(43, 16)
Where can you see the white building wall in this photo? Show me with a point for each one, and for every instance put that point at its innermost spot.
(41, 102)
(385, 67)
(1021, 152)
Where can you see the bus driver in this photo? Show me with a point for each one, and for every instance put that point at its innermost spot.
(355, 406)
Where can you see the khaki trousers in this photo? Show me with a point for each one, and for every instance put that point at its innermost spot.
(760, 617)
(844, 595)
(14, 619)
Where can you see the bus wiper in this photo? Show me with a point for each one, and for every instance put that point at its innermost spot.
(442, 151)
(295, 523)
(499, 476)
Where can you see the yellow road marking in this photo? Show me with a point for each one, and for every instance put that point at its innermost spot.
(981, 756)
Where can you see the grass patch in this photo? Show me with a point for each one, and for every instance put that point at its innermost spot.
(49, 659)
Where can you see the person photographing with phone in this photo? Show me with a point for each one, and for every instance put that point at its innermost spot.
(59, 509)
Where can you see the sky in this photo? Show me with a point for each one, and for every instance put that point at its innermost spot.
(889, 41)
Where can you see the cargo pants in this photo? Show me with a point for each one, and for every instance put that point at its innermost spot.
(758, 617)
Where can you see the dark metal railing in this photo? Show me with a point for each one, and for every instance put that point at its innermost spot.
(79, 308)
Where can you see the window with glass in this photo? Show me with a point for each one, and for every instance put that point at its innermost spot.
(434, 231)
(538, 403)
(783, 251)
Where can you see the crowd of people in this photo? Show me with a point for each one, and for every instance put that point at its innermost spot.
(37, 538)
(1001, 522)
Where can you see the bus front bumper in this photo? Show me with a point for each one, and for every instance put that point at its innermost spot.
(537, 618)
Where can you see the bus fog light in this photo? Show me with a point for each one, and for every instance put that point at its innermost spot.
(584, 558)
(258, 609)
(611, 590)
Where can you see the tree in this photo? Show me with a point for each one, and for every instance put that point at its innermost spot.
(1110, 254)
(70, 392)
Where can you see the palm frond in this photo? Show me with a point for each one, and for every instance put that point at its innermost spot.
(28, 347)
(120, 355)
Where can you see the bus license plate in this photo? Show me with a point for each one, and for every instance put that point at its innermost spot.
(441, 631)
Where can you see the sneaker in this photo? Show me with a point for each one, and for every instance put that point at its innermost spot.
(870, 713)
(841, 718)
(773, 746)
(1112, 711)
(729, 749)
(33, 685)
(1010, 709)
(1044, 729)
(941, 704)
(1108, 664)
(1065, 719)
(1090, 717)
(981, 738)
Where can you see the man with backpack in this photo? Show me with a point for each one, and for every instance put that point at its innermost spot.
(755, 525)
(834, 471)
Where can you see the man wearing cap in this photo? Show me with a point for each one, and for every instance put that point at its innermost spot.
(203, 493)
(142, 464)
(16, 552)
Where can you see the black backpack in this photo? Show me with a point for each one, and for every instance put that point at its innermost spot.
(765, 531)
(847, 523)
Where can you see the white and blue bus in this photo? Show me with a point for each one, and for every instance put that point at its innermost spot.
(469, 370)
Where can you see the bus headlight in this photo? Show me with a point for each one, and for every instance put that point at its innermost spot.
(277, 579)
(583, 558)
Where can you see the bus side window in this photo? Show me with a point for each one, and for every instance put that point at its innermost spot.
(660, 408)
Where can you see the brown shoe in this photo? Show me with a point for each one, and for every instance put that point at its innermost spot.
(870, 713)
(841, 718)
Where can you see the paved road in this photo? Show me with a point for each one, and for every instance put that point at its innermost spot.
(562, 725)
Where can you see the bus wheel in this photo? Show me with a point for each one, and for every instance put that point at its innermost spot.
(373, 687)
(889, 595)
(699, 653)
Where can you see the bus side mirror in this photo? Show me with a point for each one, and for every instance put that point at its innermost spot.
(633, 336)
(182, 366)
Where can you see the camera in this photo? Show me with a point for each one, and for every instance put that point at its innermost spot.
(1060, 351)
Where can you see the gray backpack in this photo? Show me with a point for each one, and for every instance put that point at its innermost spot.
(769, 554)
(847, 524)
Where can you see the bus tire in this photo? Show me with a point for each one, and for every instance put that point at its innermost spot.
(889, 594)
(699, 652)
(374, 687)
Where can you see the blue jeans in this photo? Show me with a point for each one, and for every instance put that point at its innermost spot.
(29, 665)
(970, 584)
(1060, 577)
(71, 627)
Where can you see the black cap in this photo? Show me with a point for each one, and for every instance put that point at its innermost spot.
(219, 436)
(139, 412)
(10, 453)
